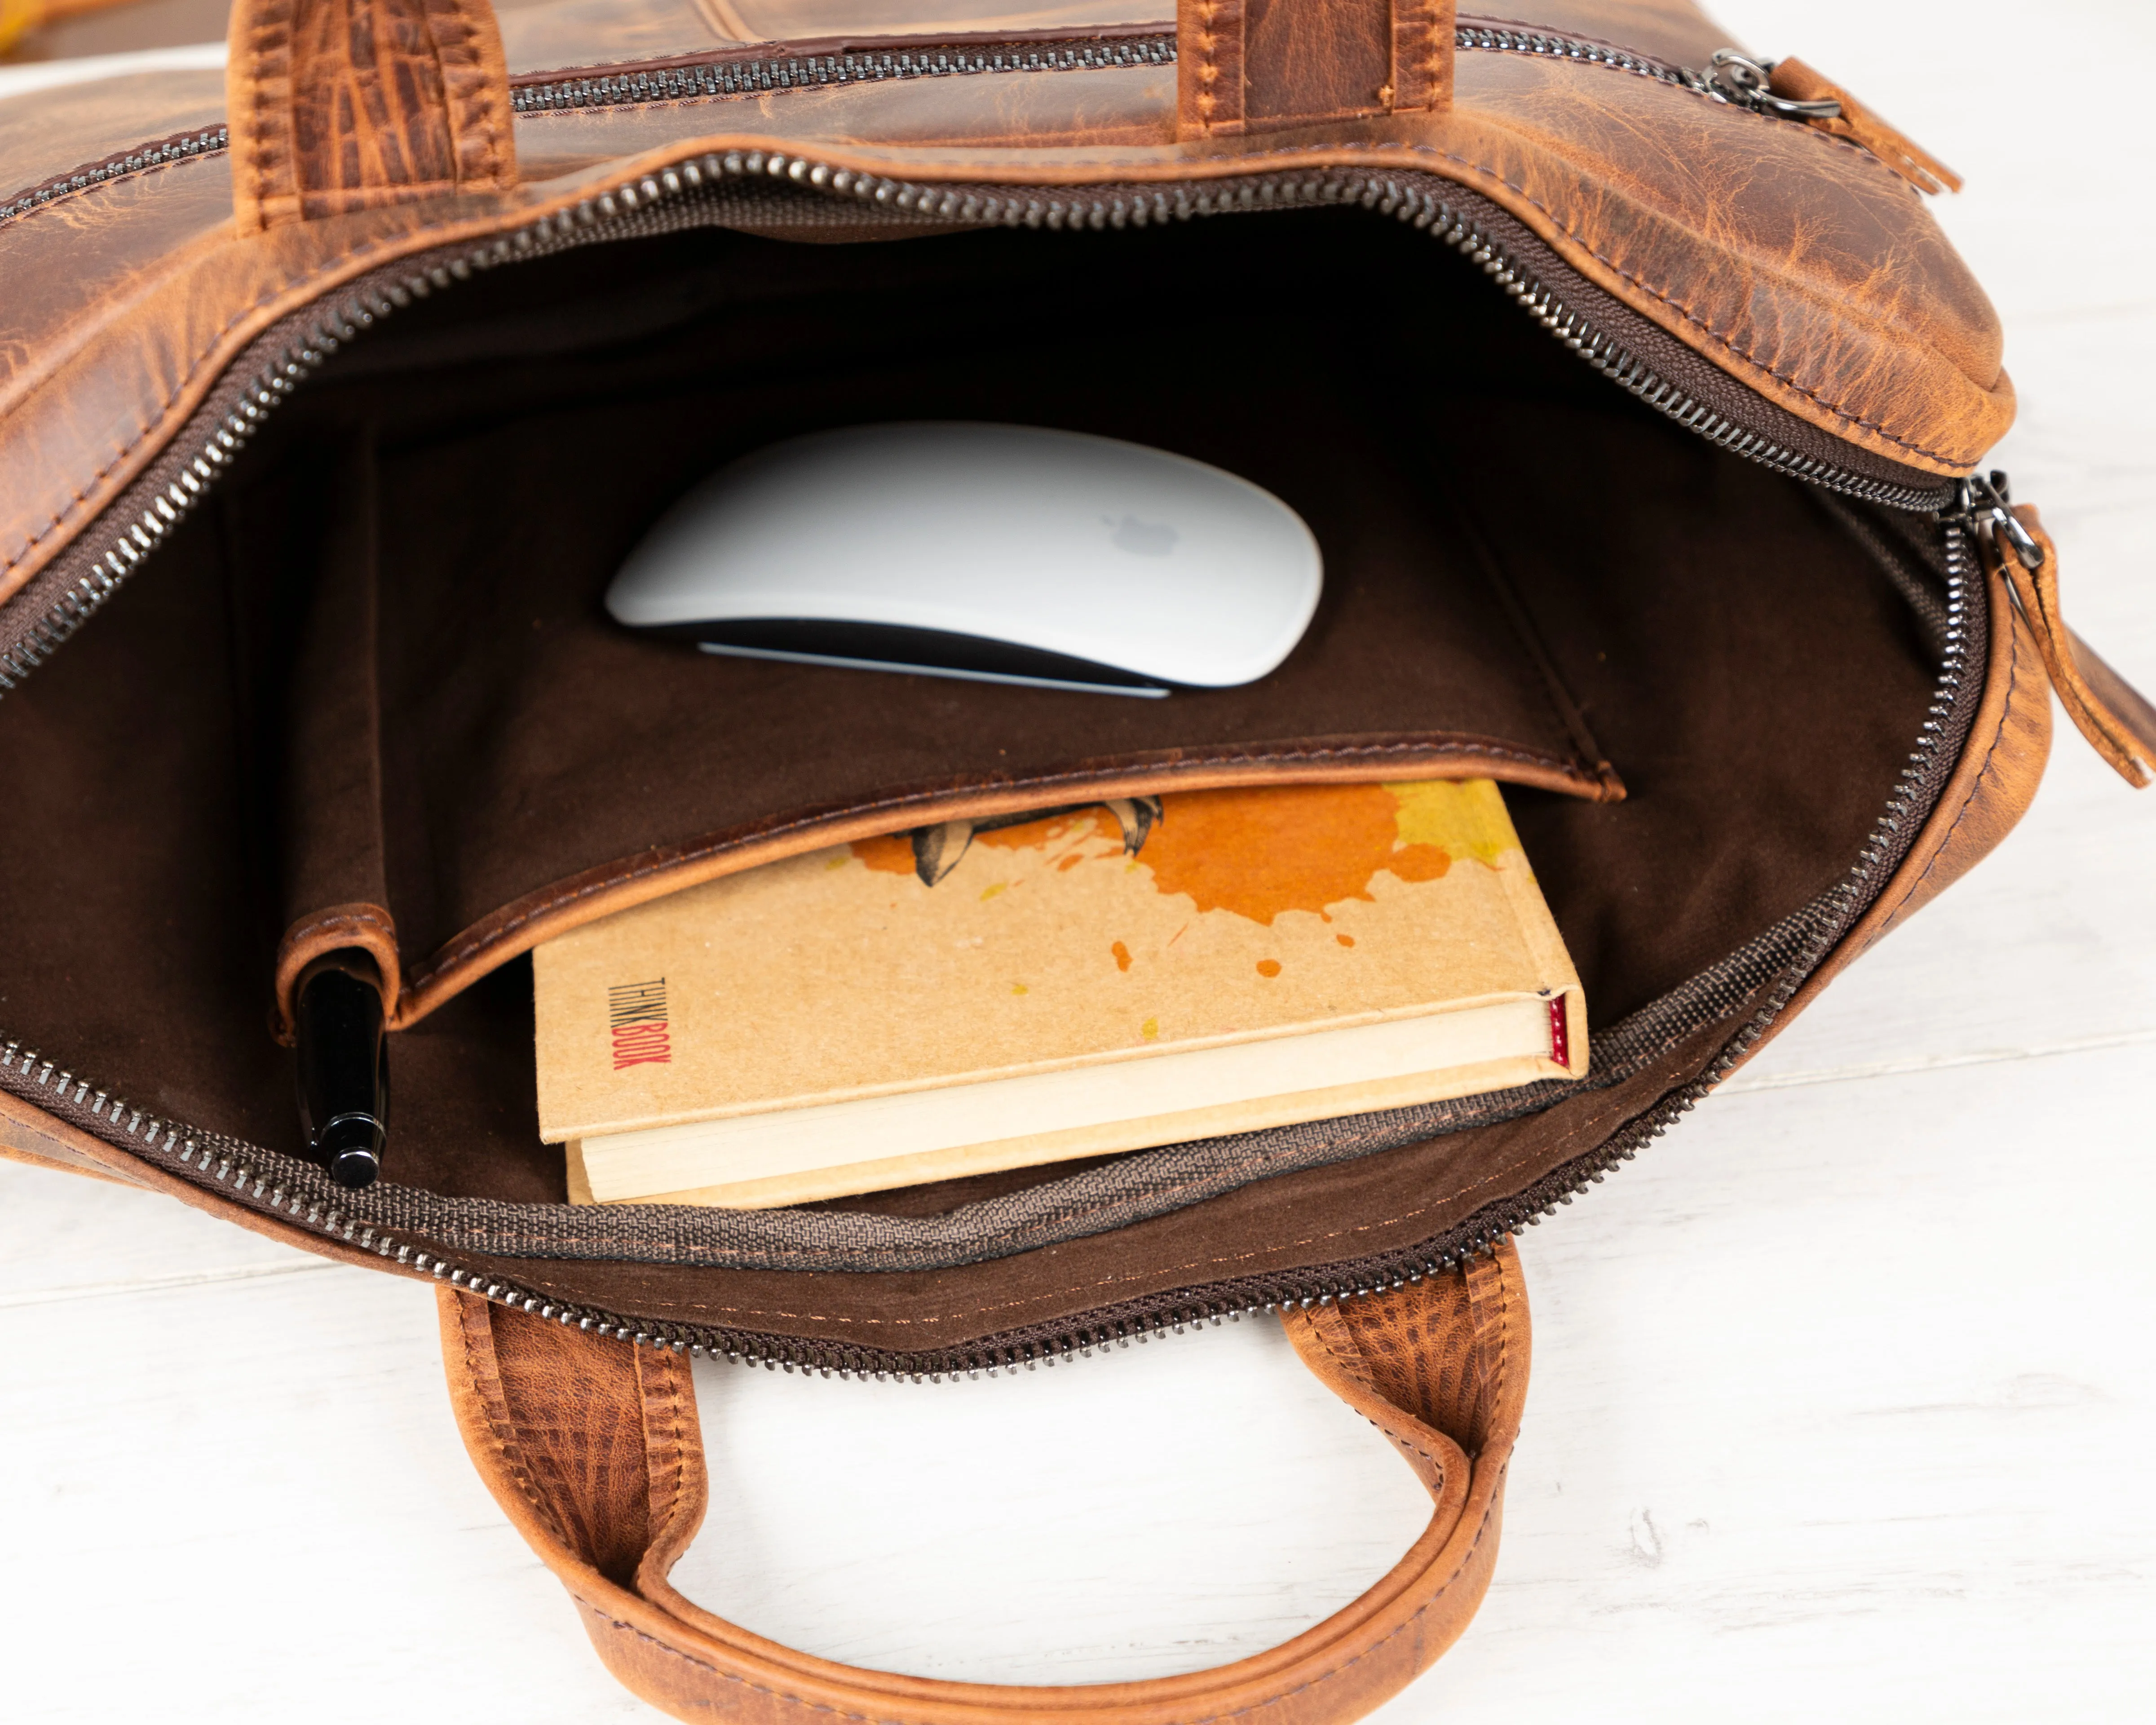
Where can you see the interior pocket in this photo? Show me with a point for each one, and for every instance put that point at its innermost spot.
(479, 758)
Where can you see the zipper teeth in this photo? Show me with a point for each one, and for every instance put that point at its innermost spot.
(754, 77)
(176, 148)
(249, 1172)
(1891, 838)
(1507, 39)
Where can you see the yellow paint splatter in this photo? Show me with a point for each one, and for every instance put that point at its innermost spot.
(994, 890)
(1462, 818)
(1269, 967)
(1019, 988)
(838, 862)
(1150, 1029)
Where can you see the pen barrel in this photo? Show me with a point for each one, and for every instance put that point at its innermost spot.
(344, 1072)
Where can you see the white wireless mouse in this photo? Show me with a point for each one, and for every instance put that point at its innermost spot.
(1006, 553)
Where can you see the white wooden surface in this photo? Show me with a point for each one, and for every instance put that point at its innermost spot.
(1832, 1416)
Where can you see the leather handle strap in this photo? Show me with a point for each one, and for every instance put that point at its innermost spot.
(1265, 65)
(591, 1449)
(337, 106)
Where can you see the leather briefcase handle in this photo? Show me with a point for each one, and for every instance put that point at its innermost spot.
(591, 1449)
(340, 106)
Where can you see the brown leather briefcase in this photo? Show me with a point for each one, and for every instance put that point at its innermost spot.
(1635, 398)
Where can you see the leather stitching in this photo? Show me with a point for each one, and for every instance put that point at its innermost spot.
(257, 177)
(1436, 1598)
(1504, 1330)
(339, 920)
(474, 98)
(501, 1427)
(1358, 1370)
(700, 851)
(1208, 73)
(676, 1444)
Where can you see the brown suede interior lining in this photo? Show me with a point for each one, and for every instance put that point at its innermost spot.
(377, 671)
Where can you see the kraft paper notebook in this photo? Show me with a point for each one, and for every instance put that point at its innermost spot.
(974, 997)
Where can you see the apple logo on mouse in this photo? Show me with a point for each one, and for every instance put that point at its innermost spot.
(1145, 539)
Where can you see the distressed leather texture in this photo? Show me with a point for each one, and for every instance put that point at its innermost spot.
(592, 1450)
(338, 104)
(1796, 262)
(1266, 65)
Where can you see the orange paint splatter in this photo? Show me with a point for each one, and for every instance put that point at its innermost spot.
(1345, 940)
(1268, 967)
(1122, 956)
(1417, 862)
(1033, 834)
(890, 855)
(1289, 848)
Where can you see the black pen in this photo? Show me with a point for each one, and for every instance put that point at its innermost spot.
(344, 1066)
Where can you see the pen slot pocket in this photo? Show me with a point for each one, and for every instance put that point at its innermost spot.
(329, 836)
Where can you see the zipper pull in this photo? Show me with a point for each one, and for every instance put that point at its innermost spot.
(1790, 90)
(2109, 711)
(1750, 84)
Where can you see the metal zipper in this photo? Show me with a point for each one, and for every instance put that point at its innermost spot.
(554, 92)
(1730, 77)
(139, 159)
(268, 1179)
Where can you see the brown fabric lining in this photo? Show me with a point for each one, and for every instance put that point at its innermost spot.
(1732, 647)
(543, 765)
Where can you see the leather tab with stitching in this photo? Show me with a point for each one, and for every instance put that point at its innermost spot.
(337, 106)
(1264, 65)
